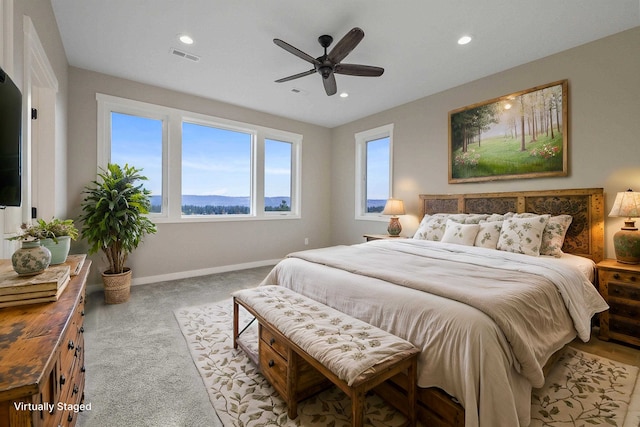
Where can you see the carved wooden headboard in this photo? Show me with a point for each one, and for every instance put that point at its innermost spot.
(585, 236)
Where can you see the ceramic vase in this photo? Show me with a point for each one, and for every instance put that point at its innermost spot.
(60, 250)
(30, 258)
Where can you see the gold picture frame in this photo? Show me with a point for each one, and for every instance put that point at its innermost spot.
(520, 135)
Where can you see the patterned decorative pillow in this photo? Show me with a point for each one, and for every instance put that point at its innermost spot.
(461, 234)
(431, 227)
(499, 217)
(554, 233)
(473, 218)
(523, 235)
(488, 234)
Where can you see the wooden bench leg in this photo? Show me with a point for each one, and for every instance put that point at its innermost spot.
(235, 323)
(292, 383)
(357, 407)
(412, 372)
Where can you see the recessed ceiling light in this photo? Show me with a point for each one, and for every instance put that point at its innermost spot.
(464, 39)
(185, 39)
(344, 95)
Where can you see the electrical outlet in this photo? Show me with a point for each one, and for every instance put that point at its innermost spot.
(306, 241)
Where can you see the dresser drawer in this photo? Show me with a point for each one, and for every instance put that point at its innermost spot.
(624, 308)
(621, 290)
(624, 326)
(274, 368)
(622, 277)
(273, 341)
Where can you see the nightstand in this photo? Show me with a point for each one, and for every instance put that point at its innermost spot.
(619, 285)
(370, 237)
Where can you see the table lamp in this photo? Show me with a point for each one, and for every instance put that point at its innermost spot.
(626, 242)
(394, 207)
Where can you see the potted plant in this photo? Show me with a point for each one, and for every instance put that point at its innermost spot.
(55, 235)
(114, 222)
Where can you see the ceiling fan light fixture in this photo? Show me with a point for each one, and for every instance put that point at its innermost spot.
(464, 40)
(344, 95)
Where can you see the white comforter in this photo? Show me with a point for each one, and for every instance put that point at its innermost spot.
(486, 321)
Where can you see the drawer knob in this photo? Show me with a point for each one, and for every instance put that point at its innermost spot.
(70, 418)
(616, 276)
(62, 379)
(71, 345)
(633, 278)
(271, 363)
(83, 369)
(82, 313)
(272, 341)
(82, 329)
(78, 351)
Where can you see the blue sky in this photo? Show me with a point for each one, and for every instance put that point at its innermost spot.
(378, 168)
(214, 161)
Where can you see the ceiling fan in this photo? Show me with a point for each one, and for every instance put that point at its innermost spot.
(329, 64)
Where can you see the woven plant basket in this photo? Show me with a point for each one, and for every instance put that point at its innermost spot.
(117, 287)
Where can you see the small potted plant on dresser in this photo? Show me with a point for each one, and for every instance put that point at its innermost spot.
(55, 235)
(114, 221)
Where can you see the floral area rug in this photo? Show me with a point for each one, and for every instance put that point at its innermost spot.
(582, 389)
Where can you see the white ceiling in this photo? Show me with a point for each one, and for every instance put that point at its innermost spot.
(413, 40)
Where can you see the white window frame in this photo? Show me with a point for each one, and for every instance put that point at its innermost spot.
(172, 149)
(362, 138)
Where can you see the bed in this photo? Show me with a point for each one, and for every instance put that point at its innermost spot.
(488, 320)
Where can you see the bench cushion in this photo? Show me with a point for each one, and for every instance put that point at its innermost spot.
(348, 347)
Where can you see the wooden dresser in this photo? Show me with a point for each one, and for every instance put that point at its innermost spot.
(619, 285)
(42, 359)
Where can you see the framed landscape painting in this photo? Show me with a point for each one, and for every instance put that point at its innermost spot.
(521, 135)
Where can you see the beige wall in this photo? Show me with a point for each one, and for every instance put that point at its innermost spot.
(604, 139)
(182, 248)
(604, 151)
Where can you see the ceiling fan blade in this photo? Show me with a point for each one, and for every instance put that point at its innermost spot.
(346, 45)
(297, 52)
(296, 76)
(330, 84)
(358, 70)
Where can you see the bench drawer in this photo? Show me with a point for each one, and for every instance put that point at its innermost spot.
(274, 368)
(274, 342)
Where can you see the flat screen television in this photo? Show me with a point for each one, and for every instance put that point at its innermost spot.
(10, 141)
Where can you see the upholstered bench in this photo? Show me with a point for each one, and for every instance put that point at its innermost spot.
(303, 343)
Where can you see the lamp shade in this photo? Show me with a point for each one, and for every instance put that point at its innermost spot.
(393, 207)
(626, 241)
(627, 204)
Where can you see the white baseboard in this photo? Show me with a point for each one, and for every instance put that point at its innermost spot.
(191, 273)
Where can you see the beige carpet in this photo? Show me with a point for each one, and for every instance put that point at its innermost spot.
(581, 390)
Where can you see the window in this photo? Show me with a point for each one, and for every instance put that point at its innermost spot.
(216, 170)
(202, 168)
(373, 171)
(277, 175)
(138, 141)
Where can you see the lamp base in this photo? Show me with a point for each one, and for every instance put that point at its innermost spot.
(626, 243)
(394, 228)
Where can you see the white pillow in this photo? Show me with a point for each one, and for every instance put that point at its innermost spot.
(461, 234)
(523, 235)
(488, 234)
(431, 227)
